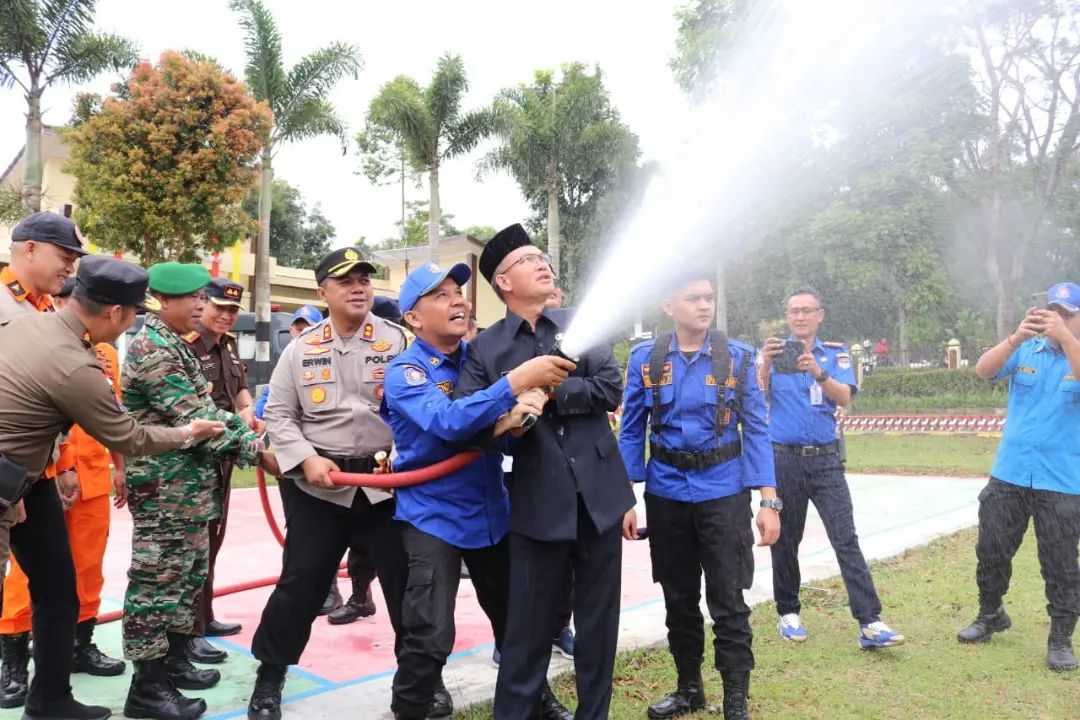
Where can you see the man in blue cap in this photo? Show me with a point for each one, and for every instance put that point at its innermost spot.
(464, 515)
(1036, 474)
(302, 319)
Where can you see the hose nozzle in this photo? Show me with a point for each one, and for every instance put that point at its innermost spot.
(529, 420)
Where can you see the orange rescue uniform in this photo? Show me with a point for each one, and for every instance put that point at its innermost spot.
(87, 522)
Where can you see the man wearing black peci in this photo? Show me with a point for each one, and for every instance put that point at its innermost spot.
(571, 499)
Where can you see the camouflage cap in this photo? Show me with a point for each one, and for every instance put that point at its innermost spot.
(173, 278)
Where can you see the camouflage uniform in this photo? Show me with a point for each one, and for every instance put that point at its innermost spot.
(172, 496)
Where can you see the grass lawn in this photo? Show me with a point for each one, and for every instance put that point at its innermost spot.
(929, 594)
(969, 455)
(245, 478)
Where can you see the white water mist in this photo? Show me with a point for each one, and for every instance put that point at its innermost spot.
(793, 62)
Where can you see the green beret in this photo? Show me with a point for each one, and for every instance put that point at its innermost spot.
(173, 278)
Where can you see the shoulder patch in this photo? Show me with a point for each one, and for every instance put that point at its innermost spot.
(665, 376)
(414, 375)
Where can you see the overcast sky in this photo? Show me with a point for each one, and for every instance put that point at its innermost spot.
(501, 41)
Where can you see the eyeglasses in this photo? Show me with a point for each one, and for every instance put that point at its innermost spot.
(530, 259)
(805, 312)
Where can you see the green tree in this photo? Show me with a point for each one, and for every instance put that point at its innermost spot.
(48, 41)
(298, 237)
(298, 98)
(482, 233)
(563, 142)
(420, 127)
(161, 172)
(1010, 178)
(706, 29)
(414, 231)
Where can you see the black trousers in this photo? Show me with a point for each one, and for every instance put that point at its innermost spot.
(40, 544)
(820, 480)
(317, 534)
(204, 606)
(716, 538)
(566, 604)
(427, 613)
(1005, 510)
(539, 572)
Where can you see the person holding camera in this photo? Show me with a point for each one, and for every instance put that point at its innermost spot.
(1036, 474)
(806, 381)
(708, 447)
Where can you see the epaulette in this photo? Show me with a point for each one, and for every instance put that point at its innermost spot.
(834, 345)
(191, 336)
(232, 335)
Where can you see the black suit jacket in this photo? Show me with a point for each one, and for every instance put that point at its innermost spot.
(571, 449)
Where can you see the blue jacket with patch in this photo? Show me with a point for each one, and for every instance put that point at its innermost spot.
(688, 403)
(797, 415)
(467, 508)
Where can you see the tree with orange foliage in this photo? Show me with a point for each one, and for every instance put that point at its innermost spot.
(161, 168)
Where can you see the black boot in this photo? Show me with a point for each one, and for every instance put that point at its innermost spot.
(153, 695)
(66, 708)
(360, 605)
(333, 600)
(266, 697)
(985, 625)
(216, 628)
(736, 690)
(199, 650)
(183, 674)
(688, 697)
(550, 708)
(1059, 654)
(88, 658)
(442, 704)
(15, 669)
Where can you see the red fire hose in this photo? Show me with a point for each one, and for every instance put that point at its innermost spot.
(382, 481)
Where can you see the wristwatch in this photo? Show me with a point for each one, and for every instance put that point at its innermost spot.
(824, 376)
(775, 503)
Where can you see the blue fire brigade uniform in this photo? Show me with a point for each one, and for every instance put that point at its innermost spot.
(462, 516)
(1036, 475)
(810, 468)
(708, 446)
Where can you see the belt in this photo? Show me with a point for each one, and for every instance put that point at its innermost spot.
(685, 460)
(832, 448)
(351, 464)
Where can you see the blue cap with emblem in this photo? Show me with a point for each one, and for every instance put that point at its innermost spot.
(426, 278)
(1066, 295)
(309, 314)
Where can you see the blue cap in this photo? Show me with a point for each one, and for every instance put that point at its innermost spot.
(385, 307)
(309, 314)
(1067, 295)
(426, 278)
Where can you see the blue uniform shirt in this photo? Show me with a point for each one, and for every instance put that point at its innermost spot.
(688, 397)
(468, 508)
(797, 414)
(1040, 448)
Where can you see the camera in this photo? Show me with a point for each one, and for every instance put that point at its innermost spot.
(788, 362)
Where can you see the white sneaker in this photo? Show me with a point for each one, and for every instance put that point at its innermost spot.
(791, 627)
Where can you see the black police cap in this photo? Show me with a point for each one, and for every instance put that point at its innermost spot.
(341, 262)
(223, 291)
(110, 281)
(505, 242)
(51, 228)
(67, 288)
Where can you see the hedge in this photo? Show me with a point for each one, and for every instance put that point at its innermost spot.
(928, 383)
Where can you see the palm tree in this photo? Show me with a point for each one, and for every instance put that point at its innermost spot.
(430, 125)
(560, 139)
(52, 41)
(298, 99)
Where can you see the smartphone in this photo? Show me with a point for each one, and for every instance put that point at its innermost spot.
(788, 362)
